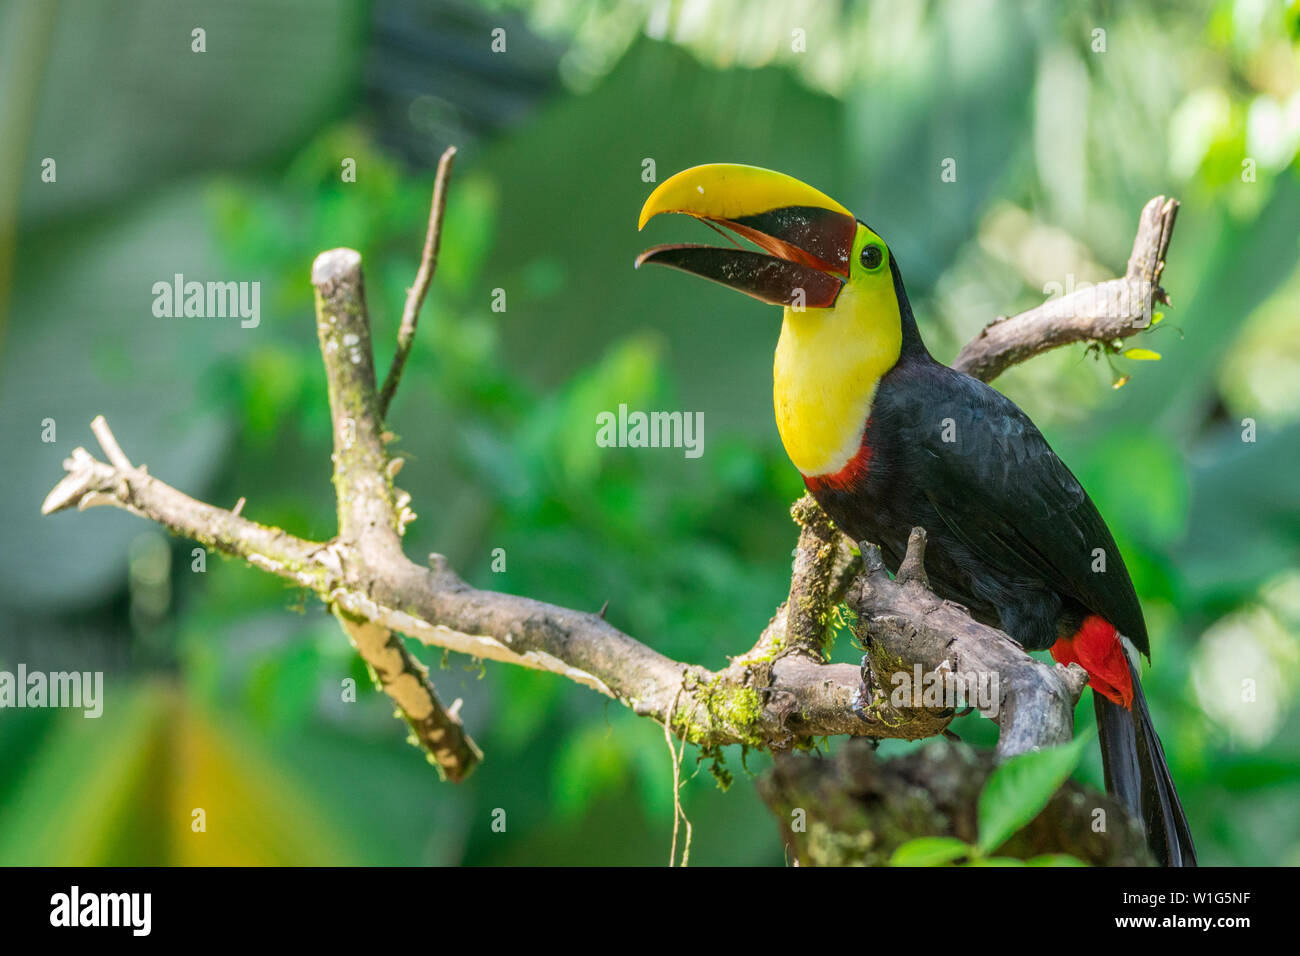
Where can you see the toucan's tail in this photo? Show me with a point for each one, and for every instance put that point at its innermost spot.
(1136, 773)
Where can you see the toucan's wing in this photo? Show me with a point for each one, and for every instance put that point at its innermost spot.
(1000, 489)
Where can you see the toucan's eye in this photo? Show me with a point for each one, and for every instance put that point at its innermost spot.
(871, 257)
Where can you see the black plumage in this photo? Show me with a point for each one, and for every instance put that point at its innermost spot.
(1012, 535)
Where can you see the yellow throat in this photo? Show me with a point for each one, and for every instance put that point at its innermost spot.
(828, 364)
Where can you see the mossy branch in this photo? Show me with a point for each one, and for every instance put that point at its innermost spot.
(856, 809)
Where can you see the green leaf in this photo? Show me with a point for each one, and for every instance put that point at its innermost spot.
(930, 851)
(1018, 790)
(1142, 355)
(593, 763)
(1055, 859)
(1149, 460)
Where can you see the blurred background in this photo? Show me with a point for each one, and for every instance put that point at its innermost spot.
(223, 687)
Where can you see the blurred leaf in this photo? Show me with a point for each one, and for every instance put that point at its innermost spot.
(256, 815)
(1139, 482)
(1017, 791)
(626, 375)
(86, 791)
(525, 706)
(930, 851)
(122, 790)
(1055, 859)
(283, 686)
(591, 762)
(1256, 772)
(1244, 521)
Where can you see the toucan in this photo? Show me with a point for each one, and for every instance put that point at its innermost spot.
(887, 438)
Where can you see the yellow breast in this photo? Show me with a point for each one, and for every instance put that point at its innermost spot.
(828, 364)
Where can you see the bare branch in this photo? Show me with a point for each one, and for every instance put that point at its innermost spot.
(907, 630)
(912, 567)
(406, 681)
(366, 503)
(107, 442)
(90, 483)
(769, 702)
(423, 278)
(372, 513)
(1102, 313)
(775, 695)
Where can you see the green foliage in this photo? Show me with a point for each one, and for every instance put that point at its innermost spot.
(930, 851)
(495, 416)
(1017, 791)
(1013, 795)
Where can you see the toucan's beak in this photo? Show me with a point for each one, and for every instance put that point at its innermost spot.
(806, 237)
